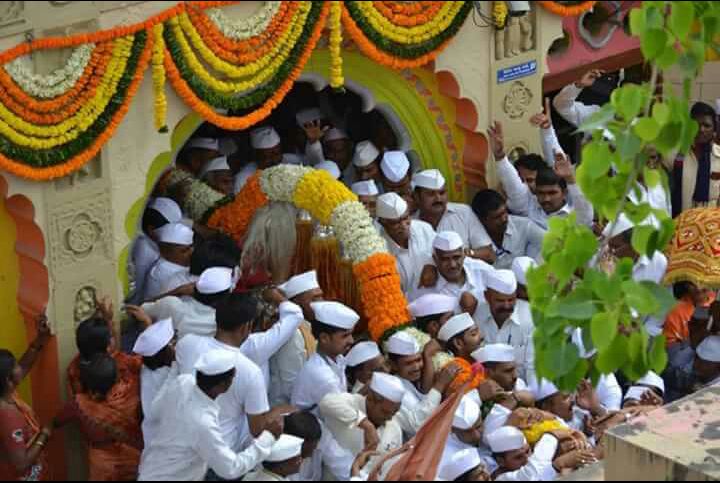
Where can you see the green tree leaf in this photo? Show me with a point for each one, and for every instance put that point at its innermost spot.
(641, 239)
(661, 113)
(653, 43)
(681, 18)
(614, 357)
(599, 120)
(596, 160)
(604, 329)
(658, 355)
(640, 298)
(637, 21)
(647, 128)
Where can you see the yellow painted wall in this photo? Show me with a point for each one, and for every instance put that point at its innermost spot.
(12, 326)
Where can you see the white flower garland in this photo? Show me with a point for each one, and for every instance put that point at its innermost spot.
(279, 183)
(441, 359)
(56, 83)
(246, 28)
(357, 233)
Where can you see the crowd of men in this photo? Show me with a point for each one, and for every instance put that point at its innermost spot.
(277, 385)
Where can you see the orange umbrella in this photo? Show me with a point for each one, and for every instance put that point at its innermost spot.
(694, 252)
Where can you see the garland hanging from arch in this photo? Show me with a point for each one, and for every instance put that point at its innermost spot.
(567, 10)
(231, 73)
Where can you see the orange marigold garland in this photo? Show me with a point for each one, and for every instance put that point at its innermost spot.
(406, 17)
(567, 11)
(235, 217)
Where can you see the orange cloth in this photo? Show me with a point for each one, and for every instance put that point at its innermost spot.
(126, 366)
(20, 427)
(677, 323)
(111, 427)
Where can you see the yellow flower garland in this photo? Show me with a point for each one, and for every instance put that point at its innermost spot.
(282, 47)
(500, 14)
(159, 77)
(71, 128)
(336, 68)
(319, 193)
(411, 35)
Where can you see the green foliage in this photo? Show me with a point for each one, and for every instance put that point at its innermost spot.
(569, 292)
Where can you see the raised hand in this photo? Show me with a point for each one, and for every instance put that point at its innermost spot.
(104, 308)
(496, 137)
(139, 314)
(543, 120)
(589, 78)
(563, 168)
(314, 131)
(43, 329)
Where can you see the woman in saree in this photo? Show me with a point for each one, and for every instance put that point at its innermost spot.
(108, 412)
(22, 441)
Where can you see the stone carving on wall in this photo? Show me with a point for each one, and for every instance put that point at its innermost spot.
(81, 231)
(516, 151)
(518, 100)
(516, 38)
(85, 306)
(10, 12)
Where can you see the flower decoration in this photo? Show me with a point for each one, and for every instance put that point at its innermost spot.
(246, 28)
(567, 11)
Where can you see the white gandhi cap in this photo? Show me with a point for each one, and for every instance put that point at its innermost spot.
(430, 179)
(168, 208)
(365, 154)
(433, 304)
(500, 281)
(402, 344)
(507, 438)
(155, 338)
(365, 188)
(502, 353)
(215, 363)
(217, 164)
(362, 353)
(456, 325)
(459, 463)
(264, 138)
(285, 448)
(300, 284)
(388, 387)
(175, 234)
(651, 379)
(216, 280)
(395, 166)
(391, 206)
(204, 143)
(709, 349)
(331, 167)
(448, 241)
(335, 314)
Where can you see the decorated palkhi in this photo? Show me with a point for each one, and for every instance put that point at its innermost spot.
(306, 219)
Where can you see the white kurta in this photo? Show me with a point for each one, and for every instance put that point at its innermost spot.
(474, 283)
(689, 181)
(189, 316)
(189, 440)
(540, 465)
(517, 332)
(145, 254)
(285, 367)
(523, 238)
(652, 270)
(567, 105)
(264, 475)
(343, 413)
(247, 395)
(262, 346)
(461, 219)
(522, 202)
(320, 376)
(151, 383)
(164, 277)
(412, 260)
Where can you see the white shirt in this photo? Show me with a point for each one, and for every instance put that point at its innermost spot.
(411, 261)
(574, 112)
(247, 395)
(320, 376)
(285, 367)
(609, 392)
(523, 238)
(264, 475)
(656, 197)
(151, 383)
(260, 347)
(651, 270)
(343, 413)
(540, 465)
(145, 254)
(474, 282)
(522, 202)
(189, 440)
(189, 315)
(164, 277)
(461, 219)
(517, 332)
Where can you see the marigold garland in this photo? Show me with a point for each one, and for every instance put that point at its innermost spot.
(60, 162)
(411, 35)
(320, 195)
(473, 373)
(405, 18)
(337, 80)
(500, 14)
(567, 11)
(159, 77)
(235, 217)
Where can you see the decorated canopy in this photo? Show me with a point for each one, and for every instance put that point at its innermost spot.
(694, 253)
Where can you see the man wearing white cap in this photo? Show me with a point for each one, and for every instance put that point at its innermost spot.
(218, 175)
(157, 348)
(145, 251)
(504, 324)
(511, 236)
(284, 461)
(196, 153)
(366, 161)
(556, 193)
(567, 406)
(461, 336)
(466, 434)
(499, 362)
(431, 197)
(410, 241)
(325, 372)
(364, 360)
(457, 273)
(188, 440)
(331, 167)
(396, 176)
(244, 409)
(195, 314)
(375, 421)
(175, 242)
(367, 192)
(286, 364)
(516, 461)
(268, 152)
(647, 391)
(431, 311)
(464, 465)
